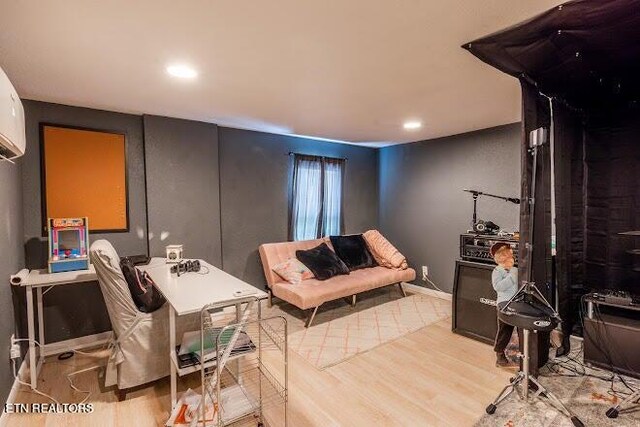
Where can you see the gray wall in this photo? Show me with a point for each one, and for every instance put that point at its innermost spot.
(422, 206)
(229, 190)
(254, 174)
(183, 187)
(11, 261)
(71, 311)
(221, 192)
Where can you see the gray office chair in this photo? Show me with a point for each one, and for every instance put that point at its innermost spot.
(140, 348)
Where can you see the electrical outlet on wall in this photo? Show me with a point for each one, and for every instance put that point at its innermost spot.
(425, 272)
(14, 350)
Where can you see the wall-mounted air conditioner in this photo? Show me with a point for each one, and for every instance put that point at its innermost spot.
(12, 133)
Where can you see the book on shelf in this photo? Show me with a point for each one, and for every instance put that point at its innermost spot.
(185, 360)
(243, 344)
(189, 352)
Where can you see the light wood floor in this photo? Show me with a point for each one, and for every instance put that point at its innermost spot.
(429, 377)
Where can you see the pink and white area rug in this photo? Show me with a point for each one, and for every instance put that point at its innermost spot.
(336, 340)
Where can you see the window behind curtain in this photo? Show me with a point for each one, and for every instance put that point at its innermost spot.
(316, 197)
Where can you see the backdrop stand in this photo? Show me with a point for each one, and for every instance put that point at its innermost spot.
(529, 310)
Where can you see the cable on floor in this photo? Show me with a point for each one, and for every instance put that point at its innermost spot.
(69, 376)
(86, 392)
(35, 390)
(570, 364)
(426, 277)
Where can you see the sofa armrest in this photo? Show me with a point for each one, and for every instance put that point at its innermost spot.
(269, 275)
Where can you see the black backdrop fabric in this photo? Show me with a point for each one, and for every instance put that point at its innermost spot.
(570, 208)
(585, 56)
(612, 205)
(583, 51)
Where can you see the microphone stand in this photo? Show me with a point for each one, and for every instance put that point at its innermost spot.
(477, 193)
(528, 286)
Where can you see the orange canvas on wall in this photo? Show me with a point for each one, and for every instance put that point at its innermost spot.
(85, 175)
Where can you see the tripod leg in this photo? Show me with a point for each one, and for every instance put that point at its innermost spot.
(615, 410)
(537, 294)
(525, 362)
(555, 402)
(504, 393)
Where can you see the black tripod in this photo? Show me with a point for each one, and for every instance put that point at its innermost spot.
(529, 310)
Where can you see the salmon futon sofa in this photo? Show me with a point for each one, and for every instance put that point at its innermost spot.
(312, 293)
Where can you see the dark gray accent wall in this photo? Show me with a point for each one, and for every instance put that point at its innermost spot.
(11, 261)
(254, 175)
(183, 187)
(76, 310)
(422, 206)
(222, 192)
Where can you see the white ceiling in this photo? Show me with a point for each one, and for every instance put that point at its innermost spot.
(350, 70)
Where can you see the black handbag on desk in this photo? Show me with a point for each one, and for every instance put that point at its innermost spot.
(143, 292)
(136, 259)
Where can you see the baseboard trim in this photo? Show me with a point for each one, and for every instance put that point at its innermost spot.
(14, 391)
(426, 291)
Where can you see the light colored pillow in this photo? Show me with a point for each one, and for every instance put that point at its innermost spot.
(383, 251)
(293, 271)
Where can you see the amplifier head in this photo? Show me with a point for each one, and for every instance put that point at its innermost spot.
(477, 247)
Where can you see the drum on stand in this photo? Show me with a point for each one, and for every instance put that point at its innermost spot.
(528, 314)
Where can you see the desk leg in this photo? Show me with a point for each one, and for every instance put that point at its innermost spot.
(238, 312)
(172, 349)
(33, 366)
(40, 323)
(236, 363)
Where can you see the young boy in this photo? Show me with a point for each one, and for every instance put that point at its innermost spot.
(505, 282)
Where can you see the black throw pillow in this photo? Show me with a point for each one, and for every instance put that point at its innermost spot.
(353, 251)
(322, 261)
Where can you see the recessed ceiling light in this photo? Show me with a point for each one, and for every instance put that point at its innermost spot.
(412, 125)
(182, 71)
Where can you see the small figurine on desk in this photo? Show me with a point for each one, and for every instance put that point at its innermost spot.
(68, 244)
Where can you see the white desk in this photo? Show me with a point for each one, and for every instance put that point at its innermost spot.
(40, 279)
(188, 294)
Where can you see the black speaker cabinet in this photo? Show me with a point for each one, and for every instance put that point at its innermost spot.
(475, 314)
(613, 341)
(474, 302)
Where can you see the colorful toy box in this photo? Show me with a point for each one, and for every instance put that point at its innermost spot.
(68, 244)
